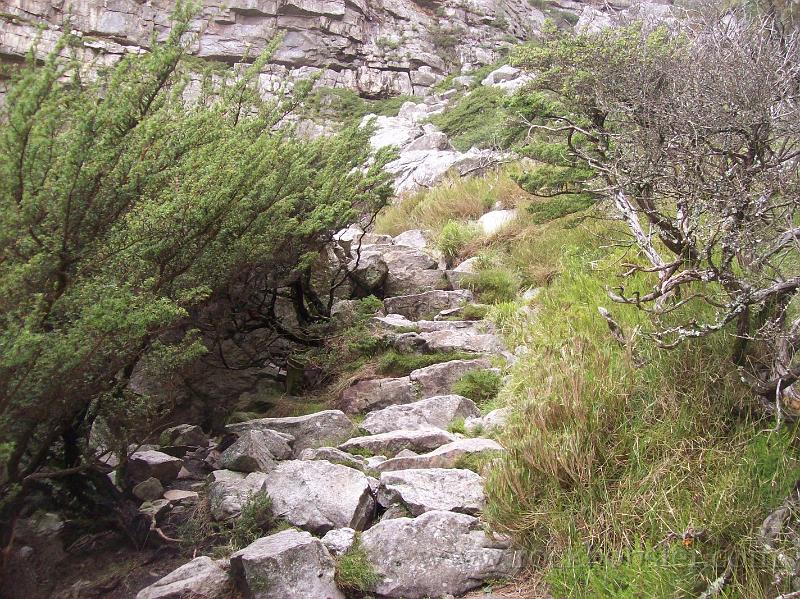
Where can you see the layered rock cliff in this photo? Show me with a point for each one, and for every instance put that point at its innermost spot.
(375, 47)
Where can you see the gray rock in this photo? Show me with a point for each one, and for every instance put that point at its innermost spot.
(492, 421)
(446, 456)
(248, 454)
(288, 565)
(424, 490)
(334, 456)
(466, 81)
(184, 434)
(377, 393)
(438, 379)
(149, 489)
(339, 540)
(201, 578)
(155, 509)
(418, 306)
(436, 553)
(430, 141)
(466, 340)
(493, 221)
(504, 73)
(327, 427)
(438, 411)
(319, 496)
(369, 271)
(228, 491)
(420, 439)
(413, 238)
(410, 269)
(151, 463)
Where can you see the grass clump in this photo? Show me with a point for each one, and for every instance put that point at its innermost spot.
(354, 571)
(478, 462)
(474, 312)
(255, 521)
(481, 386)
(477, 119)
(394, 363)
(453, 238)
(493, 285)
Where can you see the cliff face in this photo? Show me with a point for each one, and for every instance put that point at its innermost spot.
(375, 47)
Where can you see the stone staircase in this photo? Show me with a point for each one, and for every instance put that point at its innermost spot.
(382, 471)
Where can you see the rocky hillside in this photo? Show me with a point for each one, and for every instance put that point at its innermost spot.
(375, 48)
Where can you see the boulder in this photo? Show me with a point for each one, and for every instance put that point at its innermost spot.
(465, 340)
(392, 131)
(430, 141)
(437, 553)
(201, 578)
(339, 540)
(228, 491)
(319, 496)
(493, 221)
(248, 454)
(377, 393)
(413, 238)
(492, 421)
(149, 489)
(181, 496)
(446, 456)
(466, 81)
(334, 456)
(410, 269)
(424, 490)
(419, 439)
(288, 565)
(369, 271)
(438, 411)
(504, 73)
(438, 379)
(328, 427)
(418, 306)
(151, 463)
(184, 434)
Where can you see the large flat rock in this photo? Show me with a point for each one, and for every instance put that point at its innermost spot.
(288, 565)
(438, 379)
(377, 393)
(202, 578)
(419, 306)
(425, 490)
(419, 439)
(435, 554)
(328, 427)
(446, 456)
(250, 453)
(438, 411)
(319, 496)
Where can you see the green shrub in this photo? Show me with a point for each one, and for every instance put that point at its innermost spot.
(493, 285)
(395, 363)
(473, 312)
(256, 520)
(544, 211)
(481, 386)
(477, 119)
(452, 239)
(354, 571)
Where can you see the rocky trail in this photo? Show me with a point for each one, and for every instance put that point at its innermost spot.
(381, 473)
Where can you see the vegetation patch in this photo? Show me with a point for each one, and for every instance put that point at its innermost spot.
(493, 285)
(453, 238)
(354, 571)
(478, 119)
(481, 386)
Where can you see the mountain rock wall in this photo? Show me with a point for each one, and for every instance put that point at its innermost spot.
(377, 48)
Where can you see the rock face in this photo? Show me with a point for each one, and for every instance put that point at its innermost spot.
(435, 554)
(425, 490)
(437, 411)
(320, 496)
(375, 48)
(201, 578)
(290, 565)
(328, 426)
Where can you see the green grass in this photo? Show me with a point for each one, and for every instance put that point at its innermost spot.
(473, 312)
(481, 386)
(616, 452)
(453, 238)
(394, 363)
(354, 572)
(493, 285)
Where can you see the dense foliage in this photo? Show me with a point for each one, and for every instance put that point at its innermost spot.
(137, 214)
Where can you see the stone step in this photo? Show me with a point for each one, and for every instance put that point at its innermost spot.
(392, 442)
(446, 456)
(326, 427)
(420, 306)
(398, 322)
(426, 489)
(422, 383)
(438, 411)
